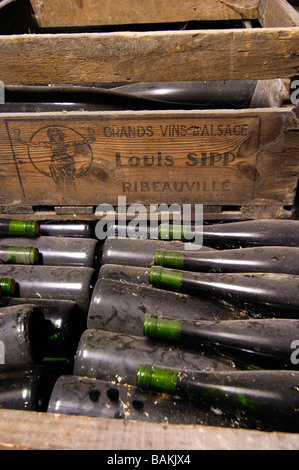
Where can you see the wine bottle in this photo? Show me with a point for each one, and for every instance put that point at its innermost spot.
(24, 388)
(129, 274)
(122, 307)
(74, 395)
(52, 282)
(66, 229)
(23, 334)
(265, 399)
(14, 254)
(138, 251)
(260, 259)
(7, 286)
(66, 323)
(267, 293)
(15, 227)
(266, 232)
(61, 251)
(263, 343)
(107, 355)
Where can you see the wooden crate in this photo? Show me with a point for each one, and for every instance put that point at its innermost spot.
(254, 168)
(245, 160)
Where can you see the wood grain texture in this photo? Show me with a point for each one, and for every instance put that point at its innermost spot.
(246, 157)
(154, 56)
(54, 13)
(28, 430)
(277, 13)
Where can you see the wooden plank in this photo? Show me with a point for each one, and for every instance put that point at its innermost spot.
(28, 430)
(241, 157)
(276, 13)
(156, 56)
(79, 13)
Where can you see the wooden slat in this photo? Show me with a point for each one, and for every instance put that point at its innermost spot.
(157, 56)
(242, 157)
(28, 430)
(276, 13)
(78, 13)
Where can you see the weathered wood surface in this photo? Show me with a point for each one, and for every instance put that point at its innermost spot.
(55, 13)
(80, 13)
(275, 13)
(150, 56)
(209, 157)
(28, 430)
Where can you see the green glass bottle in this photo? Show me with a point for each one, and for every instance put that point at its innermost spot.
(24, 387)
(265, 399)
(18, 255)
(75, 395)
(258, 259)
(19, 228)
(121, 307)
(66, 323)
(59, 251)
(107, 355)
(265, 232)
(52, 282)
(263, 343)
(264, 293)
(23, 334)
(138, 251)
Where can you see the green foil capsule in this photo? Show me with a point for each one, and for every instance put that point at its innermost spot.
(160, 327)
(19, 227)
(154, 378)
(18, 255)
(8, 286)
(160, 277)
(168, 258)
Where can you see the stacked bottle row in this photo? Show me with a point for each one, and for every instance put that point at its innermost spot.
(47, 275)
(214, 329)
(227, 357)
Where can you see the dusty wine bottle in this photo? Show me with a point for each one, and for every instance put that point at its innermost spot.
(122, 307)
(267, 293)
(60, 251)
(52, 282)
(111, 356)
(263, 398)
(66, 323)
(66, 229)
(7, 286)
(264, 343)
(14, 254)
(23, 334)
(258, 259)
(138, 251)
(129, 274)
(19, 228)
(265, 232)
(24, 388)
(99, 398)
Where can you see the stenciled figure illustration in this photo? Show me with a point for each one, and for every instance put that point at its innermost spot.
(63, 166)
